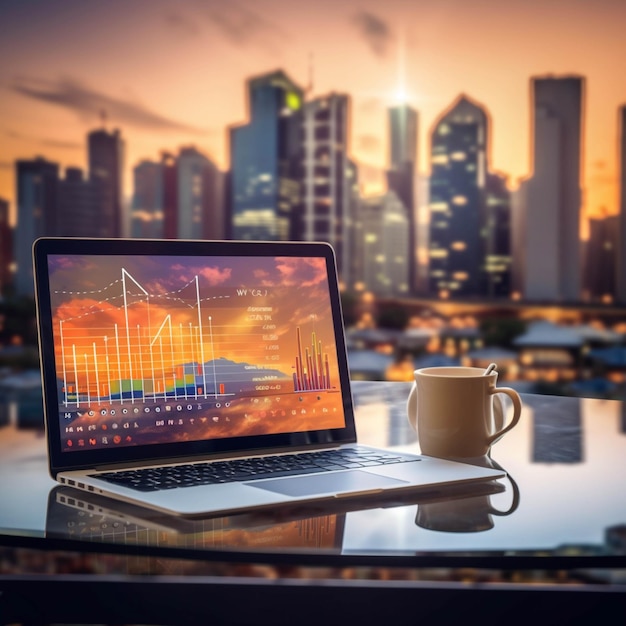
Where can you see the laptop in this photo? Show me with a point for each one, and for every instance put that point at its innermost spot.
(199, 378)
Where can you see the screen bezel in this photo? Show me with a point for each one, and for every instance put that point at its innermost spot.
(60, 460)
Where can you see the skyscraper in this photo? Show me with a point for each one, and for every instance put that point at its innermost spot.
(496, 234)
(37, 214)
(326, 177)
(147, 203)
(620, 287)
(385, 245)
(519, 200)
(353, 262)
(403, 140)
(78, 204)
(600, 265)
(264, 166)
(179, 197)
(6, 247)
(198, 200)
(553, 268)
(106, 164)
(422, 212)
(457, 198)
(170, 195)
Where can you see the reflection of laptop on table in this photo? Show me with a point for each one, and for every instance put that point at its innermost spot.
(197, 378)
(83, 516)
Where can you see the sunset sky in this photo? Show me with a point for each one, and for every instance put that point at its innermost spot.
(170, 73)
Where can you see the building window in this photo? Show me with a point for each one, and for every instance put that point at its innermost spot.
(438, 253)
(439, 207)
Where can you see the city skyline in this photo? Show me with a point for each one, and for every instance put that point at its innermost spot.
(58, 86)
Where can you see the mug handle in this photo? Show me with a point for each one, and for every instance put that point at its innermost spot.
(517, 411)
(411, 406)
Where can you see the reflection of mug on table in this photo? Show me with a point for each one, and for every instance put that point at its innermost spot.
(464, 515)
(451, 408)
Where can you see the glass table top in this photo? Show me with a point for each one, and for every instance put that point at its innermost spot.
(562, 498)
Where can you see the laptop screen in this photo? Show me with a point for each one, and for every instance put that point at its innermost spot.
(162, 348)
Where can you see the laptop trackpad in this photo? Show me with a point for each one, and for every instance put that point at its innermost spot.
(326, 483)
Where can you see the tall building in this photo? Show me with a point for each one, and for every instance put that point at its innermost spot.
(37, 214)
(553, 268)
(496, 232)
(170, 195)
(147, 204)
(214, 226)
(265, 192)
(353, 264)
(601, 253)
(106, 165)
(422, 199)
(519, 200)
(326, 182)
(620, 277)
(385, 245)
(179, 197)
(198, 195)
(403, 141)
(6, 247)
(458, 157)
(78, 203)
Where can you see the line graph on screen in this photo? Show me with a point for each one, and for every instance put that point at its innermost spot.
(122, 343)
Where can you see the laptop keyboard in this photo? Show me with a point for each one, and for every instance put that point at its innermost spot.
(236, 470)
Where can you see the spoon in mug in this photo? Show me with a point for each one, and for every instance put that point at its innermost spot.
(490, 368)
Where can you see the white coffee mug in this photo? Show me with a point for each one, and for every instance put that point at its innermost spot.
(451, 408)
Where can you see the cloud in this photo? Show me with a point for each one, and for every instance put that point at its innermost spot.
(215, 276)
(52, 143)
(180, 24)
(75, 96)
(212, 275)
(302, 272)
(55, 143)
(244, 27)
(71, 263)
(375, 31)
